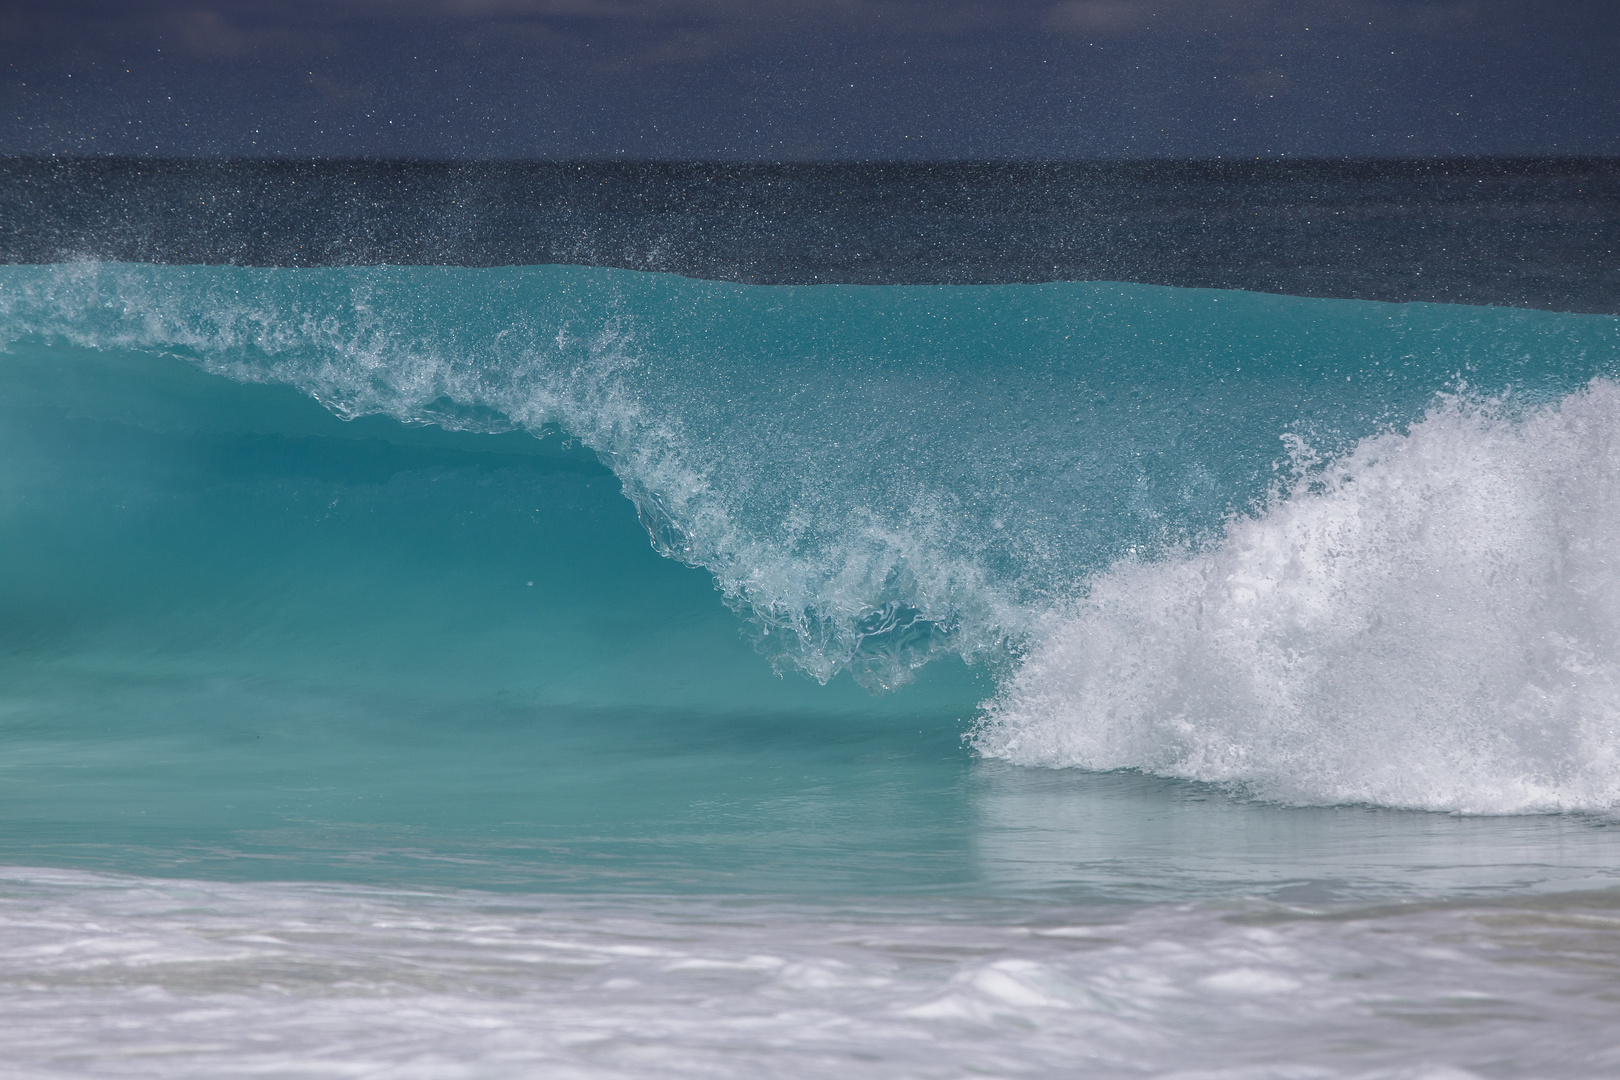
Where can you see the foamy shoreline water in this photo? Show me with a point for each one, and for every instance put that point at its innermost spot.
(109, 975)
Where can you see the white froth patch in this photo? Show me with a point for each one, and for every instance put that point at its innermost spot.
(107, 976)
(1433, 621)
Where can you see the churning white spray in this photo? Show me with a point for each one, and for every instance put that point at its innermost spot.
(1431, 621)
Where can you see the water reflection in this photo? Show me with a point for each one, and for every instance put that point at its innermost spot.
(1125, 836)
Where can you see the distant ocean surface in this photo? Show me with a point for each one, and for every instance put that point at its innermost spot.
(693, 653)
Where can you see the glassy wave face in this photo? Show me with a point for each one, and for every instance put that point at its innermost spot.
(1324, 551)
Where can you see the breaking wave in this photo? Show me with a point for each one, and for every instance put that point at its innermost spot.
(1075, 484)
(1431, 620)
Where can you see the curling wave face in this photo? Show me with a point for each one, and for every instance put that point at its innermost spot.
(1208, 534)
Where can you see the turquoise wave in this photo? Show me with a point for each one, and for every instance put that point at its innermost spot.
(872, 474)
(257, 492)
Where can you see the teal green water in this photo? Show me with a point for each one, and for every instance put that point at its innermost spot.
(292, 589)
(247, 636)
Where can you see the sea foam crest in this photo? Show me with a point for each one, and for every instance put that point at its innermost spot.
(1431, 621)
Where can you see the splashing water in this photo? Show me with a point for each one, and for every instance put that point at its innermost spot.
(1431, 620)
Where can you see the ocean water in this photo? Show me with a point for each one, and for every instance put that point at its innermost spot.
(568, 671)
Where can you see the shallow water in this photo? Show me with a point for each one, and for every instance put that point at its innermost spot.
(129, 977)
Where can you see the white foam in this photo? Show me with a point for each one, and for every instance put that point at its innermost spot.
(1431, 621)
(132, 977)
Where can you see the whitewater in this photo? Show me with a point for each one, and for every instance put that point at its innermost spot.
(1430, 621)
(1019, 679)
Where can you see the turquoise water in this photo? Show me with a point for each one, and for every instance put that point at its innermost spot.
(557, 671)
(420, 634)
(247, 637)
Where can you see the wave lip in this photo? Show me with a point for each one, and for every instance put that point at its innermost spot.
(1431, 621)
